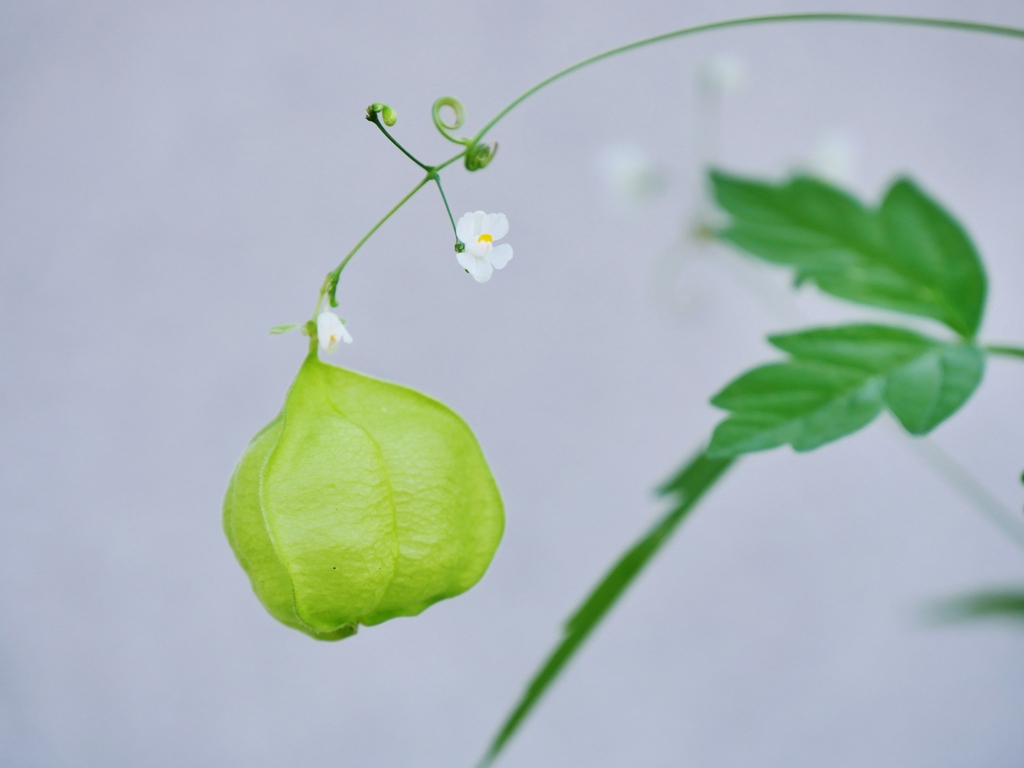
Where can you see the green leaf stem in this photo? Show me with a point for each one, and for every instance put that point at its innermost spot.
(838, 380)
(908, 254)
(685, 488)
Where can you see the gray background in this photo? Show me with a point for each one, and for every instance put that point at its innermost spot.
(176, 177)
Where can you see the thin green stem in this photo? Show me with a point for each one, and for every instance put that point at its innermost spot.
(437, 180)
(963, 26)
(375, 119)
(331, 281)
(320, 299)
(377, 226)
(450, 160)
(685, 490)
(954, 473)
(1004, 350)
(330, 285)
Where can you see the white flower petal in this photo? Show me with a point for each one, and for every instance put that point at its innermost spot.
(345, 335)
(481, 270)
(464, 229)
(495, 225)
(500, 255)
(477, 249)
(478, 224)
(329, 330)
(466, 260)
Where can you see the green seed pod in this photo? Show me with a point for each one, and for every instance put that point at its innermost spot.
(389, 116)
(360, 502)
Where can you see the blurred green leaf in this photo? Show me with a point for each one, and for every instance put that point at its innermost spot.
(909, 254)
(838, 380)
(685, 488)
(1007, 604)
(277, 330)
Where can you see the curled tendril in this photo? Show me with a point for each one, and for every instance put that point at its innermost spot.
(460, 117)
(479, 155)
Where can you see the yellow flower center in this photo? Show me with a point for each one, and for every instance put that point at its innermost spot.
(485, 239)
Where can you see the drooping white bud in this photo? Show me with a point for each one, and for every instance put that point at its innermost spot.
(330, 330)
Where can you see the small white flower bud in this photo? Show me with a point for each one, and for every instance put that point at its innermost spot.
(723, 74)
(330, 330)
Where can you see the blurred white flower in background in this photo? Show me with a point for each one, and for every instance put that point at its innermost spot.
(628, 174)
(478, 231)
(627, 171)
(722, 75)
(833, 158)
(694, 267)
(330, 330)
(718, 77)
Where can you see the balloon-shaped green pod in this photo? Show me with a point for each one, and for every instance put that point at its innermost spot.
(360, 502)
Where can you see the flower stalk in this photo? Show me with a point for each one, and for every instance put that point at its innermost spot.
(477, 155)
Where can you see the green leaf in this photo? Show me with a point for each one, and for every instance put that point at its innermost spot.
(909, 254)
(686, 488)
(1008, 604)
(277, 330)
(838, 380)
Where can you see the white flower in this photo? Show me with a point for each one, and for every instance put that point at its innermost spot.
(834, 158)
(630, 175)
(723, 75)
(330, 330)
(478, 231)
